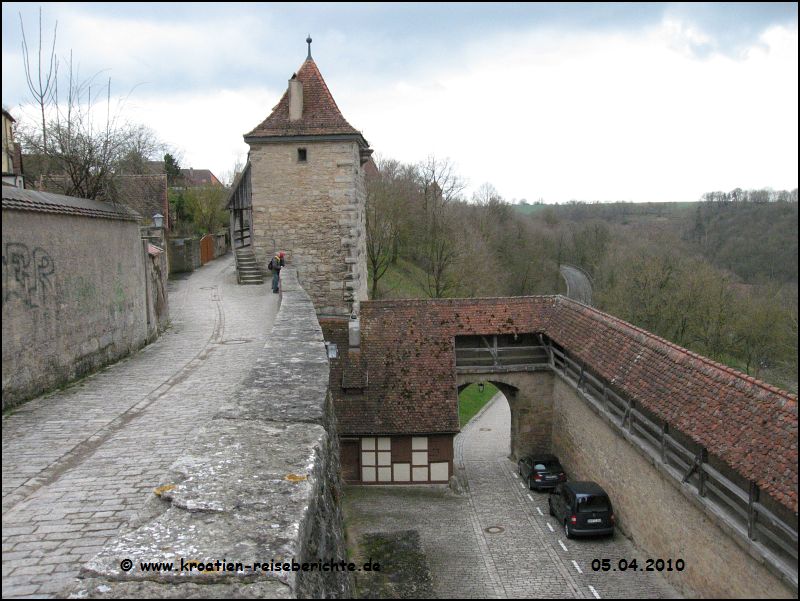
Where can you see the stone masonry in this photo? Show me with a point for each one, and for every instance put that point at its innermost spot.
(313, 210)
(79, 463)
(651, 508)
(308, 194)
(74, 290)
(259, 483)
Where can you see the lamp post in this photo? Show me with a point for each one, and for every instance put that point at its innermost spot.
(158, 220)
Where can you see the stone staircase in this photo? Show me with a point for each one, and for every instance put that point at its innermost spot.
(247, 271)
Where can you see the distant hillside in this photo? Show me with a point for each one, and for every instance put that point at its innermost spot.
(757, 241)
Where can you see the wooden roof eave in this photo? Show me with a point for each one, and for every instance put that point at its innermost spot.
(236, 186)
(276, 139)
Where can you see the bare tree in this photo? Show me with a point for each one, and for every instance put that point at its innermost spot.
(82, 144)
(379, 224)
(42, 84)
(440, 186)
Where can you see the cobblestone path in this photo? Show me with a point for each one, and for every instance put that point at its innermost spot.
(497, 541)
(531, 556)
(78, 463)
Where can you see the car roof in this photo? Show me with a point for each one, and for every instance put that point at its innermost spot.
(585, 488)
(544, 457)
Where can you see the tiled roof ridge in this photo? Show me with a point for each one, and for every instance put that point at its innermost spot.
(150, 175)
(49, 202)
(390, 302)
(624, 327)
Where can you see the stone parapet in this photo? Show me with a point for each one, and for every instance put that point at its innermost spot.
(260, 483)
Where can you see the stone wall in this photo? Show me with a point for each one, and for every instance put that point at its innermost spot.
(314, 211)
(259, 483)
(184, 255)
(73, 298)
(651, 508)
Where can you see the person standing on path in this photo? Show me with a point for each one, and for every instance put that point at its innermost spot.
(275, 265)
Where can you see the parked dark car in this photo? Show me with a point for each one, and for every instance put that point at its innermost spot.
(583, 507)
(541, 471)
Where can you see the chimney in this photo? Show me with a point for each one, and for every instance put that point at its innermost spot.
(295, 99)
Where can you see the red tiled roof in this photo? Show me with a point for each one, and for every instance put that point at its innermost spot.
(199, 177)
(749, 424)
(320, 116)
(146, 194)
(408, 352)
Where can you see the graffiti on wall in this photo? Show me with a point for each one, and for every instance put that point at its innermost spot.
(27, 274)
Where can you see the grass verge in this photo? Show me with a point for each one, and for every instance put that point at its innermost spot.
(471, 400)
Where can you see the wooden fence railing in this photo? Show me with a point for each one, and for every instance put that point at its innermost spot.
(738, 504)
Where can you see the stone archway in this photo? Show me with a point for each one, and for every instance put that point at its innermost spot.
(530, 398)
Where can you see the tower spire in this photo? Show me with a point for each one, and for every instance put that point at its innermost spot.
(308, 41)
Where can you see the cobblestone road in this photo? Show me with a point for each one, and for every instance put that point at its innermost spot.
(498, 541)
(78, 463)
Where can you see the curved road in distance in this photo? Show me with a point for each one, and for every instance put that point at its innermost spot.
(579, 287)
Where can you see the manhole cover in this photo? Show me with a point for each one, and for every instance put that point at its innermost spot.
(486, 430)
(494, 530)
(237, 341)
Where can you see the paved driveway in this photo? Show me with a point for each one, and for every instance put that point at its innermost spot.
(78, 463)
(498, 541)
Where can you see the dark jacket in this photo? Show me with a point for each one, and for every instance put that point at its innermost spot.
(275, 264)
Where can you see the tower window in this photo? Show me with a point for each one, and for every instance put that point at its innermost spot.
(301, 155)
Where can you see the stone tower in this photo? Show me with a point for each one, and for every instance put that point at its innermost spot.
(308, 194)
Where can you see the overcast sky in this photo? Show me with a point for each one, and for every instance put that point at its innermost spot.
(640, 102)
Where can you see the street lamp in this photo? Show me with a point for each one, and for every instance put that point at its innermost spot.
(158, 220)
(332, 349)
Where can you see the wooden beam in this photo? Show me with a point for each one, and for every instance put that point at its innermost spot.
(752, 512)
(703, 459)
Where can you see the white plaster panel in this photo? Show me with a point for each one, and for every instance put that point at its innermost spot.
(402, 472)
(439, 471)
(420, 474)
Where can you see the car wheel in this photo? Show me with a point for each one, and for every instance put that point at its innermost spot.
(530, 483)
(567, 531)
(550, 508)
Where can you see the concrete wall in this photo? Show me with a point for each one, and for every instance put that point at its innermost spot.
(73, 298)
(313, 210)
(259, 482)
(651, 508)
(184, 255)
